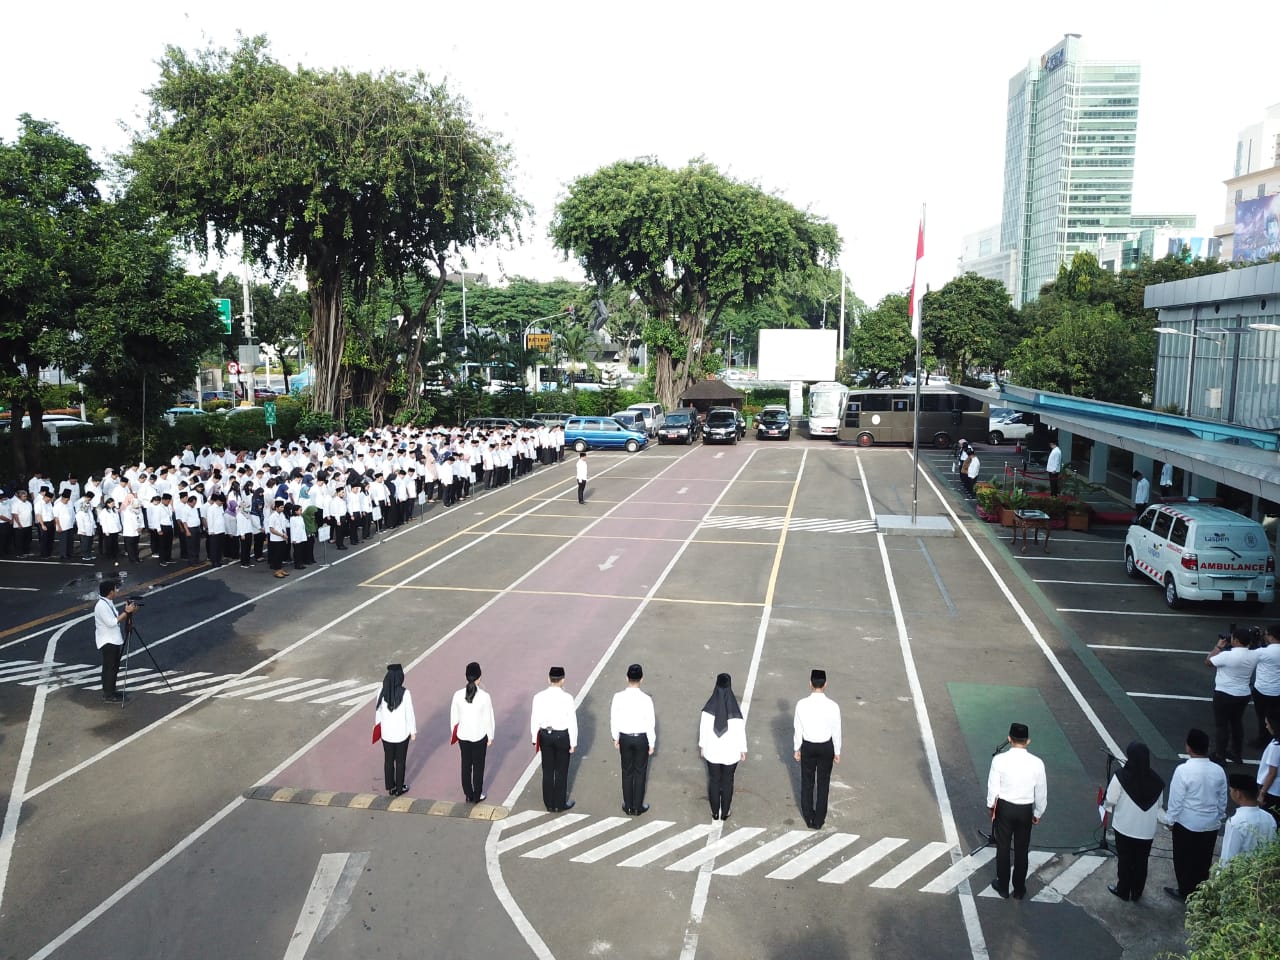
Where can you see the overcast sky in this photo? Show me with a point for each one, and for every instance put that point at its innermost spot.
(859, 113)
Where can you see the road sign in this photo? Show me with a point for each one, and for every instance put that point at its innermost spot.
(269, 409)
(224, 313)
(537, 341)
(233, 367)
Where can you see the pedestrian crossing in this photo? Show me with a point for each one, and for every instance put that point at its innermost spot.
(885, 863)
(815, 524)
(144, 679)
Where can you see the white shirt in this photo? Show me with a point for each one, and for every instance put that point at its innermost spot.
(972, 466)
(1248, 829)
(1270, 758)
(1166, 475)
(1267, 668)
(106, 626)
(1054, 463)
(1143, 492)
(817, 720)
(1129, 818)
(554, 708)
(632, 712)
(1017, 776)
(581, 469)
(1197, 795)
(474, 720)
(727, 749)
(1233, 670)
(399, 724)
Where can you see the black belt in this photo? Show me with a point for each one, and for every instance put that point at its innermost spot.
(551, 730)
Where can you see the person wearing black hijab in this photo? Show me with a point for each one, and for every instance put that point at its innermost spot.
(722, 742)
(1133, 799)
(394, 715)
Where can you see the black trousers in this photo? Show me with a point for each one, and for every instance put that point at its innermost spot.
(1228, 724)
(166, 544)
(554, 746)
(46, 540)
(110, 667)
(1262, 705)
(394, 756)
(1012, 827)
(720, 787)
(816, 760)
(1131, 865)
(246, 549)
(582, 490)
(473, 754)
(214, 548)
(1192, 856)
(1054, 478)
(22, 540)
(634, 751)
(275, 555)
(131, 548)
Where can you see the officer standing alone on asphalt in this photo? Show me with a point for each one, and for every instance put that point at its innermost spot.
(109, 638)
(817, 747)
(634, 730)
(582, 476)
(553, 725)
(1017, 793)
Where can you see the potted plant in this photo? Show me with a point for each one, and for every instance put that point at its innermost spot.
(988, 496)
(1015, 499)
(1077, 515)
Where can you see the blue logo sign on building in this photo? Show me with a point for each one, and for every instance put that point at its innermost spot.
(1053, 60)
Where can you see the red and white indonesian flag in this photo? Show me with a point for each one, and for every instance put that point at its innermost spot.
(913, 307)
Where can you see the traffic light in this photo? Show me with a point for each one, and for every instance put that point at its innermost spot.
(224, 314)
(248, 326)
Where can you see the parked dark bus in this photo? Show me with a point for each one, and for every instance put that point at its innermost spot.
(886, 416)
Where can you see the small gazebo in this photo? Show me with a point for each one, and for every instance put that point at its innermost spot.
(711, 392)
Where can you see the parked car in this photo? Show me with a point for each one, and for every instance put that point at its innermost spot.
(240, 411)
(724, 425)
(653, 416)
(602, 433)
(174, 413)
(773, 421)
(1014, 426)
(490, 423)
(208, 395)
(631, 419)
(264, 393)
(552, 418)
(1200, 551)
(680, 426)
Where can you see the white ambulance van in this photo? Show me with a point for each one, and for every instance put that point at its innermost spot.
(1199, 551)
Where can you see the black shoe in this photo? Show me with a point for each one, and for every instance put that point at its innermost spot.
(817, 824)
(642, 809)
(628, 811)
(1019, 894)
(1111, 889)
(480, 799)
(995, 885)
(113, 697)
(724, 814)
(568, 805)
(1176, 894)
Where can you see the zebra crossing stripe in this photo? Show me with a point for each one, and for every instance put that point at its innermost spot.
(712, 850)
(669, 845)
(909, 867)
(290, 689)
(345, 694)
(16, 666)
(541, 830)
(962, 870)
(328, 688)
(813, 856)
(362, 696)
(27, 673)
(762, 853)
(573, 839)
(1035, 860)
(192, 685)
(160, 681)
(795, 523)
(1067, 880)
(62, 674)
(628, 839)
(862, 860)
(260, 687)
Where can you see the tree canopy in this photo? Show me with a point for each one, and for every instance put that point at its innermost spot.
(880, 340)
(689, 242)
(969, 322)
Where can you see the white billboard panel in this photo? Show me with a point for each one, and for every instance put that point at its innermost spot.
(797, 355)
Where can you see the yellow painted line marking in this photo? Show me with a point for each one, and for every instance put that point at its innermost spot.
(562, 593)
(362, 801)
(782, 539)
(323, 798)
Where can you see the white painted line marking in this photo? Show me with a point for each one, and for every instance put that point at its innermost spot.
(628, 839)
(1133, 613)
(613, 558)
(862, 860)
(712, 850)
(541, 830)
(909, 867)
(669, 845)
(15, 666)
(682, 491)
(1067, 880)
(1168, 696)
(323, 884)
(1035, 860)
(23, 589)
(363, 696)
(305, 684)
(1094, 583)
(38, 671)
(1112, 646)
(575, 838)
(159, 681)
(1057, 559)
(721, 454)
(278, 682)
(812, 857)
(765, 852)
(524, 816)
(329, 688)
(961, 870)
(334, 697)
(191, 685)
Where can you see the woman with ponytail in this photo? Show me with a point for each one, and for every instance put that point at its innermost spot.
(471, 719)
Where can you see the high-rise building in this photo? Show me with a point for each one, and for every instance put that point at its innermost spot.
(1251, 230)
(980, 253)
(1070, 143)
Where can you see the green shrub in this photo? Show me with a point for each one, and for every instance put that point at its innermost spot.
(315, 422)
(213, 406)
(359, 419)
(1235, 914)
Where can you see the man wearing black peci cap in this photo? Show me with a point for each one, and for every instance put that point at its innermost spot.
(634, 730)
(553, 725)
(817, 748)
(1016, 795)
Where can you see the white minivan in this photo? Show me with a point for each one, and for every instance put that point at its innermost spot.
(1200, 551)
(652, 414)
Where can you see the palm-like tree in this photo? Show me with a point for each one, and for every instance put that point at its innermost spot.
(576, 345)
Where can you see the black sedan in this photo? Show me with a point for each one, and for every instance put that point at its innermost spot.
(773, 424)
(680, 426)
(724, 425)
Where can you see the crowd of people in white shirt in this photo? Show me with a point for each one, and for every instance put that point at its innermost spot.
(273, 503)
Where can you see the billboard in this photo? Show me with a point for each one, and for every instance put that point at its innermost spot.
(1257, 233)
(797, 355)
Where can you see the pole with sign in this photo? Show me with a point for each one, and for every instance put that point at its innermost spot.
(224, 314)
(269, 415)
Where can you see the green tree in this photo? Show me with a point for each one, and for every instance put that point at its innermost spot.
(689, 242)
(969, 322)
(352, 177)
(1086, 351)
(881, 342)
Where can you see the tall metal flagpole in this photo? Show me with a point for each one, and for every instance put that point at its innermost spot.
(918, 310)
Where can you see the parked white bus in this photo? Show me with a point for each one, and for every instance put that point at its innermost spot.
(826, 407)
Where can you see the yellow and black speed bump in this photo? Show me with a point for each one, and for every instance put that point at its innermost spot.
(381, 802)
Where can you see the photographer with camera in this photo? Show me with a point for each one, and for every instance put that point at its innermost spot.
(1266, 682)
(109, 637)
(1233, 661)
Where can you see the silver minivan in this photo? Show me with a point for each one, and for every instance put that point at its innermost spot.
(652, 414)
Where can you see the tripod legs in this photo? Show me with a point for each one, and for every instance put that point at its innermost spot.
(131, 633)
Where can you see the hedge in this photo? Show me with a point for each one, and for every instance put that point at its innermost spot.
(1235, 914)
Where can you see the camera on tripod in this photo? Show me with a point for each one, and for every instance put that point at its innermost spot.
(1253, 633)
(136, 601)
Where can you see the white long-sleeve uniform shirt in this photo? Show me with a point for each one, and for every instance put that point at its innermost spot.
(1129, 818)
(553, 708)
(474, 720)
(1248, 829)
(399, 724)
(632, 712)
(728, 748)
(817, 720)
(1017, 776)
(1197, 795)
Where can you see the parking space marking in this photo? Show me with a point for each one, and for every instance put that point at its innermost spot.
(1093, 583)
(1168, 696)
(1110, 560)
(1138, 613)
(576, 593)
(1110, 646)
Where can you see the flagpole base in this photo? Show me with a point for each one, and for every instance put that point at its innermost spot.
(891, 524)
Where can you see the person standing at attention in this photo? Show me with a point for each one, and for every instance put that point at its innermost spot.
(1250, 826)
(1053, 467)
(553, 725)
(109, 638)
(1133, 798)
(972, 467)
(722, 743)
(394, 714)
(634, 729)
(1166, 480)
(817, 747)
(1197, 806)
(1141, 493)
(472, 725)
(1017, 793)
(582, 476)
